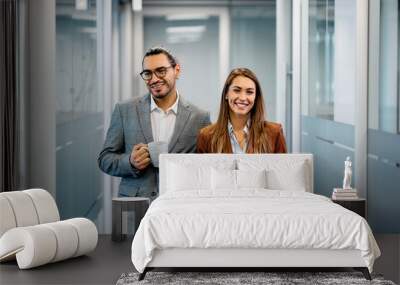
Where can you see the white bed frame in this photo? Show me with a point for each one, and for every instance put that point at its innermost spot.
(234, 257)
(250, 258)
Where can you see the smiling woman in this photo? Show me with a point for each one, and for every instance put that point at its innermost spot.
(241, 126)
(241, 96)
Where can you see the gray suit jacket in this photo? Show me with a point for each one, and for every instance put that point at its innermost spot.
(130, 125)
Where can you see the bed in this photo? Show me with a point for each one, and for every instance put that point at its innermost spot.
(246, 211)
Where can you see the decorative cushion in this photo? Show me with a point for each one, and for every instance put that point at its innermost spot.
(237, 179)
(294, 178)
(183, 178)
(251, 178)
(223, 179)
(177, 171)
(281, 174)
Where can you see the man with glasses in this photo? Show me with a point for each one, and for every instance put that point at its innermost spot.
(141, 127)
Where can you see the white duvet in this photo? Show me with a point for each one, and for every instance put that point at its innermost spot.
(252, 218)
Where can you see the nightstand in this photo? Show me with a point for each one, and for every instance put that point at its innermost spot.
(124, 204)
(358, 206)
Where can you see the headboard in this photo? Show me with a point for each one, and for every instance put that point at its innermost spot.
(235, 161)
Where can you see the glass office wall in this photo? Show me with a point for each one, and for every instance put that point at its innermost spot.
(253, 45)
(79, 113)
(327, 116)
(195, 42)
(210, 41)
(383, 119)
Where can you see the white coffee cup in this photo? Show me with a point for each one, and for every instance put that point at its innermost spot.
(155, 149)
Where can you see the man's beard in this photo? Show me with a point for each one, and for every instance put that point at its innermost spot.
(160, 95)
(163, 94)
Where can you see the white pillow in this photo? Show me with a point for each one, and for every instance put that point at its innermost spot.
(223, 179)
(251, 178)
(294, 178)
(182, 177)
(236, 179)
(283, 173)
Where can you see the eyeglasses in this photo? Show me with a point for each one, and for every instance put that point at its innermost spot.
(160, 72)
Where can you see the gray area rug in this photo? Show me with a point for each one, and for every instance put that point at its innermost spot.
(229, 278)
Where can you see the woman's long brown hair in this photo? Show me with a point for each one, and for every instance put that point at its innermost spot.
(257, 141)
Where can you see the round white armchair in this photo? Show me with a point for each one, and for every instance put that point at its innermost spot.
(31, 230)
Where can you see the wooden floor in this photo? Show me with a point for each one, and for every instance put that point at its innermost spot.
(111, 259)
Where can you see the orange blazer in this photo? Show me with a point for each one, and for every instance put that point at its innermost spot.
(274, 134)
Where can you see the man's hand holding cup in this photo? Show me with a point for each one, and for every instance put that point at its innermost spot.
(140, 157)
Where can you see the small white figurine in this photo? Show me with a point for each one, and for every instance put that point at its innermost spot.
(347, 174)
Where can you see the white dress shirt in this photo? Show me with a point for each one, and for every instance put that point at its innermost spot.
(163, 123)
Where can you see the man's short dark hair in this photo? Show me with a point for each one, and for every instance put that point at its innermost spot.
(160, 50)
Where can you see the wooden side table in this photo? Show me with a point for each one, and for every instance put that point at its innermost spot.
(139, 205)
(358, 206)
